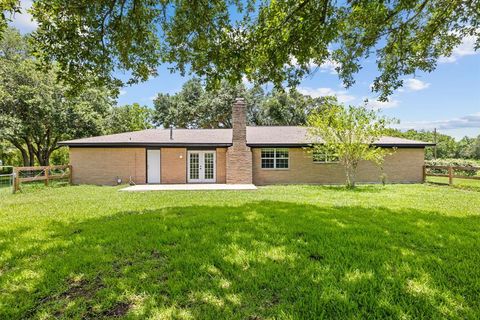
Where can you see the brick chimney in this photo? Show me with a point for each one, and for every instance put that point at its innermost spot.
(239, 155)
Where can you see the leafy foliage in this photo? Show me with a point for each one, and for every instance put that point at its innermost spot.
(196, 107)
(36, 110)
(350, 134)
(9, 155)
(127, 118)
(266, 41)
(447, 146)
(7, 9)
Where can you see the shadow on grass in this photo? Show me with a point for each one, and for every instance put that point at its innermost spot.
(260, 260)
(361, 188)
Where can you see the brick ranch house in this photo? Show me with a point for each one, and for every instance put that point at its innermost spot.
(258, 155)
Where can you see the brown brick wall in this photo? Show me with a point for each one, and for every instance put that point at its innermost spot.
(221, 169)
(239, 164)
(102, 166)
(173, 162)
(404, 166)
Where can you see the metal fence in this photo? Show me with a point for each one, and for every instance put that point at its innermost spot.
(6, 178)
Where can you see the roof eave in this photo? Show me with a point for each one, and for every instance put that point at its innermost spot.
(299, 145)
(404, 145)
(278, 145)
(139, 144)
(254, 145)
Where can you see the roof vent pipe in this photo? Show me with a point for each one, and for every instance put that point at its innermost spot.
(171, 132)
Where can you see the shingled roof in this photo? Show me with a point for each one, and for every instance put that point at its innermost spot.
(256, 136)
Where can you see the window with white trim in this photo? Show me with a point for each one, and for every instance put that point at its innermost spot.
(323, 155)
(275, 158)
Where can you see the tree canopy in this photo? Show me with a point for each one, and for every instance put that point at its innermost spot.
(36, 111)
(195, 107)
(7, 9)
(266, 41)
(127, 118)
(447, 146)
(349, 134)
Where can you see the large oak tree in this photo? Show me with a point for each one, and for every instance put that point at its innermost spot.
(37, 111)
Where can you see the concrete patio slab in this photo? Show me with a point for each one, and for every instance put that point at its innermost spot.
(188, 187)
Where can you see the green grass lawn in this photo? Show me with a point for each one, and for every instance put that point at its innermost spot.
(296, 252)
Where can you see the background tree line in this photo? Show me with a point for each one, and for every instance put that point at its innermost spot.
(195, 107)
(447, 146)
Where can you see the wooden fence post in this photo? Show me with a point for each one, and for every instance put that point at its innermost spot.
(70, 176)
(16, 180)
(450, 175)
(46, 176)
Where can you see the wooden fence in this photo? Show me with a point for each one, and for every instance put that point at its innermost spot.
(41, 173)
(450, 172)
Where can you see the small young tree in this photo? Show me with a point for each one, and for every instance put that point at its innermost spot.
(350, 134)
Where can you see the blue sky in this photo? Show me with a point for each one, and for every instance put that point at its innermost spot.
(447, 99)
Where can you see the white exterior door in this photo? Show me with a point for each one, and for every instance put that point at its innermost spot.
(201, 166)
(153, 166)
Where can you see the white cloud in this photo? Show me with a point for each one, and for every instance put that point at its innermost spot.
(24, 20)
(468, 121)
(294, 63)
(122, 92)
(376, 104)
(466, 48)
(415, 84)
(342, 96)
(246, 82)
(329, 66)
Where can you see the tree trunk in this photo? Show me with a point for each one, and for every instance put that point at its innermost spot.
(25, 158)
(26, 161)
(31, 153)
(353, 178)
(45, 156)
(350, 172)
(42, 160)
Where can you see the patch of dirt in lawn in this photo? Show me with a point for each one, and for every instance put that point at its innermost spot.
(316, 257)
(77, 231)
(158, 255)
(82, 288)
(273, 301)
(118, 310)
(77, 288)
(117, 266)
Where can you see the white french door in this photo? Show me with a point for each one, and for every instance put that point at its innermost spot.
(201, 166)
